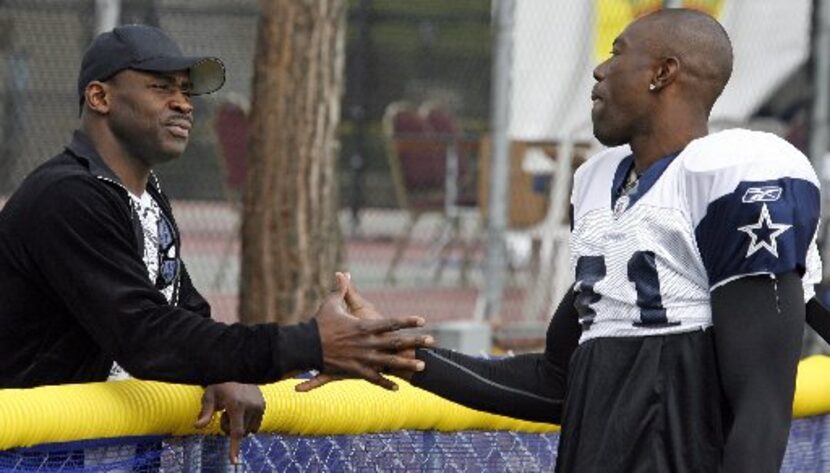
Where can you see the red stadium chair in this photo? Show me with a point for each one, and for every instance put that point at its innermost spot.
(431, 168)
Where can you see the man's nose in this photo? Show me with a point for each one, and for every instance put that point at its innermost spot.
(599, 71)
(181, 103)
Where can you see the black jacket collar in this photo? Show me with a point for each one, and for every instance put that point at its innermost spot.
(82, 148)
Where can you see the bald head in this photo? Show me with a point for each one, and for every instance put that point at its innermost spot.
(661, 81)
(701, 46)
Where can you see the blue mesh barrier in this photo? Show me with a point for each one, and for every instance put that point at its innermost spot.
(404, 451)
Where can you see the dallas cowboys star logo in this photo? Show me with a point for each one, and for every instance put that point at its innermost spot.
(764, 233)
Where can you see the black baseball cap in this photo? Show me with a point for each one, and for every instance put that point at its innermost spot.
(146, 48)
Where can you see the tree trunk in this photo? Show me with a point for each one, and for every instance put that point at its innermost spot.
(290, 232)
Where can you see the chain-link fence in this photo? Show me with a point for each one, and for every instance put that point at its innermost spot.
(808, 451)
(420, 52)
(41, 47)
(385, 452)
(415, 144)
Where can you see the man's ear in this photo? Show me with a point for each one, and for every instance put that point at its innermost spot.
(97, 95)
(666, 73)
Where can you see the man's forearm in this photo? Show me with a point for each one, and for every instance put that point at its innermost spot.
(758, 326)
(530, 386)
(523, 386)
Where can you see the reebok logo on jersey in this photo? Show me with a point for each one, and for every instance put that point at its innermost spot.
(762, 194)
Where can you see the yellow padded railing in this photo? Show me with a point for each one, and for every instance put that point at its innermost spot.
(812, 387)
(130, 408)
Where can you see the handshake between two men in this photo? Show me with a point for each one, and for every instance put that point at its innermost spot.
(356, 341)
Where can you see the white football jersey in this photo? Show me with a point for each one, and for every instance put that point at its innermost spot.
(731, 204)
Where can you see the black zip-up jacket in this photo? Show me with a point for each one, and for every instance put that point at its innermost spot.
(74, 293)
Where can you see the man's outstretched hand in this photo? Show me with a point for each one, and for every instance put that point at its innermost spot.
(243, 407)
(358, 342)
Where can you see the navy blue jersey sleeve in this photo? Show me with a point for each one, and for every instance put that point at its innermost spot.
(760, 227)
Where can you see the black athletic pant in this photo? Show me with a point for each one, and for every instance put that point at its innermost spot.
(643, 405)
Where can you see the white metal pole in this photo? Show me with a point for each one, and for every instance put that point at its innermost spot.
(820, 131)
(107, 13)
(821, 80)
(496, 259)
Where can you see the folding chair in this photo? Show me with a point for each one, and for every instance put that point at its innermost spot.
(460, 186)
(424, 159)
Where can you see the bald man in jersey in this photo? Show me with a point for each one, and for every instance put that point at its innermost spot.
(693, 255)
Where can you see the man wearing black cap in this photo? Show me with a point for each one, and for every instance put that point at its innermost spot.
(92, 285)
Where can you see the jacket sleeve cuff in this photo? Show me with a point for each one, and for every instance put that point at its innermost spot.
(299, 347)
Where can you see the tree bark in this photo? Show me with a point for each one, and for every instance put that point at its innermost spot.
(290, 232)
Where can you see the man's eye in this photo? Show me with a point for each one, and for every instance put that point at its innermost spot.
(160, 86)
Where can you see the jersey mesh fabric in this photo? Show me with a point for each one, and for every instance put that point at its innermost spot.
(645, 266)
